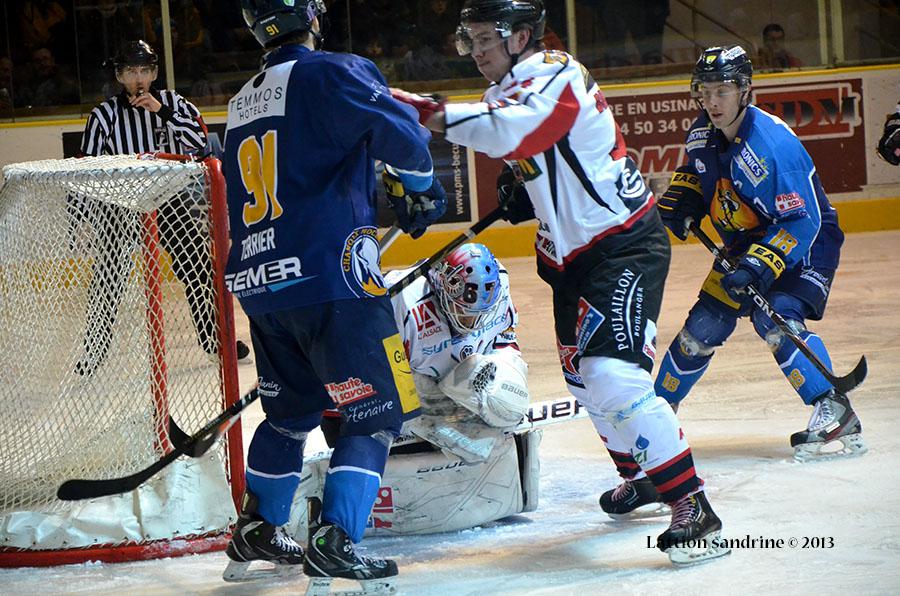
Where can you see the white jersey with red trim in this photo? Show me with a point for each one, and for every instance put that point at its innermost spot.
(550, 117)
(432, 346)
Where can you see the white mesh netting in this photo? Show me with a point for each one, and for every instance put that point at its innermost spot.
(108, 312)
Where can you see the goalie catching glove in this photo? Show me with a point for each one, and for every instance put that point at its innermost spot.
(492, 386)
(760, 266)
(415, 210)
(682, 202)
(515, 204)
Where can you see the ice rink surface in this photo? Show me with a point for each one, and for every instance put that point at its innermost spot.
(738, 420)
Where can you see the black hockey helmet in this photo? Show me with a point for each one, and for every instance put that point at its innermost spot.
(272, 20)
(135, 53)
(507, 15)
(723, 64)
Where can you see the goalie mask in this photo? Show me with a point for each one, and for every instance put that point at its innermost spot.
(467, 285)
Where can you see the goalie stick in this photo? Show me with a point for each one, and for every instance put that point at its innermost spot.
(539, 414)
(194, 446)
(843, 384)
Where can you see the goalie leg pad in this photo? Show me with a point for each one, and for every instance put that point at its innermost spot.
(424, 493)
(493, 386)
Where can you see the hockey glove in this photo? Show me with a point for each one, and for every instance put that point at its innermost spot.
(760, 266)
(889, 145)
(426, 105)
(682, 202)
(415, 211)
(515, 204)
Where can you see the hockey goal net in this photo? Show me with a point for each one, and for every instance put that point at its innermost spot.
(115, 316)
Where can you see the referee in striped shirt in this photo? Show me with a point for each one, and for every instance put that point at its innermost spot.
(143, 119)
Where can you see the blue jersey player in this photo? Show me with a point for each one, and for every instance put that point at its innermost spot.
(751, 175)
(304, 262)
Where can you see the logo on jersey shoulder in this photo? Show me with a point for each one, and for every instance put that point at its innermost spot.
(586, 325)
(427, 320)
(555, 57)
(752, 166)
(349, 391)
(529, 169)
(263, 96)
(789, 202)
(361, 263)
(697, 138)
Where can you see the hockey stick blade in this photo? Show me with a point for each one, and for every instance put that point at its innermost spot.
(843, 384)
(79, 489)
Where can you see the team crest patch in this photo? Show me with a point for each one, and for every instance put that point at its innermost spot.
(789, 202)
(361, 263)
(701, 167)
(589, 320)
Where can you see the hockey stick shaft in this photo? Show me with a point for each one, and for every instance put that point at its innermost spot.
(422, 267)
(385, 241)
(77, 489)
(842, 384)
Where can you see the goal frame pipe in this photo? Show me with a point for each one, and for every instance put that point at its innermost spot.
(225, 321)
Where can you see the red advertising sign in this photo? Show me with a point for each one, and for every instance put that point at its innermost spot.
(827, 117)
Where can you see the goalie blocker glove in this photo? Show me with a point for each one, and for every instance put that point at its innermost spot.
(682, 202)
(415, 209)
(515, 204)
(760, 266)
(889, 145)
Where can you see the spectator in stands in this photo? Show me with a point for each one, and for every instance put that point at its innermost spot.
(104, 25)
(773, 54)
(44, 24)
(51, 84)
(6, 86)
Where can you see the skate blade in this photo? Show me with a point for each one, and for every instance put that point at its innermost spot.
(851, 446)
(642, 512)
(321, 586)
(239, 571)
(704, 549)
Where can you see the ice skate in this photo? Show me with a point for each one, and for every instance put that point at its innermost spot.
(330, 555)
(694, 534)
(632, 499)
(255, 539)
(833, 422)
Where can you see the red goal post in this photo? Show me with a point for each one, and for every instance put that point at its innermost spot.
(114, 307)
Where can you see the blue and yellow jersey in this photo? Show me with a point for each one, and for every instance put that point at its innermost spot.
(763, 188)
(300, 145)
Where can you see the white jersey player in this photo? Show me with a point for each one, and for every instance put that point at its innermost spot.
(458, 326)
(600, 243)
